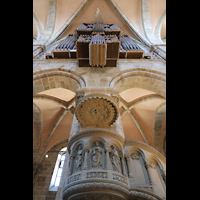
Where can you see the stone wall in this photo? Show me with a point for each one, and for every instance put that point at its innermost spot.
(42, 179)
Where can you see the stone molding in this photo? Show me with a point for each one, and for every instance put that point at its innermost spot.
(137, 71)
(59, 71)
(137, 194)
(110, 133)
(93, 186)
(96, 196)
(146, 147)
(97, 132)
(129, 24)
(141, 195)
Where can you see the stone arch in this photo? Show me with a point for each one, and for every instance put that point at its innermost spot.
(75, 146)
(164, 143)
(138, 156)
(37, 130)
(156, 163)
(116, 144)
(59, 145)
(157, 127)
(140, 78)
(155, 160)
(136, 150)
(94, 139)
(38, 26)
(57, 78)
(157, 31)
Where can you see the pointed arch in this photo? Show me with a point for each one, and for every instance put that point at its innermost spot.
(158, 27)
(38, 26)
(67, 23)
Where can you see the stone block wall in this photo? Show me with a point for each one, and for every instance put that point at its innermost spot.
(43, 177)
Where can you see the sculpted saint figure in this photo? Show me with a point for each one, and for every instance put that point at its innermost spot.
(96, 156)
(79, 158)
(115, 160)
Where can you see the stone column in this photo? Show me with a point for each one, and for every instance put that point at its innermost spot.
(108, 162)
(85, 164)
(95, 127)
(123, 165)
(71, 163)
(150, 167)
(128, 165)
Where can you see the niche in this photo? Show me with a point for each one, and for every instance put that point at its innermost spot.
(115, 158)
(137, 169)
(97, 156)
(157, 175)
(78, 158)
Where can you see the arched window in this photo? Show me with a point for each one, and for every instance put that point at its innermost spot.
(55, 180)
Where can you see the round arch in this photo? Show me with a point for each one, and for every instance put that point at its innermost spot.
(56, 78)
(140, 78)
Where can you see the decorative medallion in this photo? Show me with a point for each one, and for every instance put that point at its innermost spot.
(96, 111)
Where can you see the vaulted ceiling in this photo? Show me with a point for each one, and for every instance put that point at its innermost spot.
(140, 109)
(148, 17)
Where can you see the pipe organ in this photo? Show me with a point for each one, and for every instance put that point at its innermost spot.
(97, 45)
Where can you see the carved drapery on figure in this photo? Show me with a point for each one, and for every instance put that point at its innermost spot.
(78, 158)
(115, 159)
(96, 156)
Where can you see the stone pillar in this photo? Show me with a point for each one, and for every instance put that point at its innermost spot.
(108, 163)
(85, 164)
(96, 128)
(71, 163)
(123, 165)
(95, 144)
(129, 165)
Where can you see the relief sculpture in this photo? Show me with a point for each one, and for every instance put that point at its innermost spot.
(97, 156)
(115, 160)
(79, 158)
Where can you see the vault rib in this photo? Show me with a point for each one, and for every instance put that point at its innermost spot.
(136, 122)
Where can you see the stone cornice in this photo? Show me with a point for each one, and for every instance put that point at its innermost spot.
(83, 187)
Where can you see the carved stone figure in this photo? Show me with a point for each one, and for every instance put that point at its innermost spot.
(97, 156)
(115, 160)
(79, 158)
